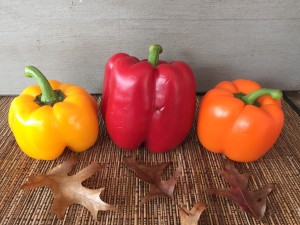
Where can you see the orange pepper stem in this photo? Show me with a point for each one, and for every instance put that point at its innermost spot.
(154, 51)
(250, 99)
(48, 96)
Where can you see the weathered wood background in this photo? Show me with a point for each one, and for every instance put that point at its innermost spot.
(220, 39)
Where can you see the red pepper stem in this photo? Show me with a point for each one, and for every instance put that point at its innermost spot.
(48, 96)
(154, 51)
(250, 98)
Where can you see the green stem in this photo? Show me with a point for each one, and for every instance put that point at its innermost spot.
(250, 99)
(154, 51)
(48, 96)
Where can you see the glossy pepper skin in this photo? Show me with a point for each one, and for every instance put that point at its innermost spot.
(240, 119)
(45, 121)
(150, 102)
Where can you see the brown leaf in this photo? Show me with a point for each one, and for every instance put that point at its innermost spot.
(68, 190)
(252, 202)
(191, 217)
(152, 175)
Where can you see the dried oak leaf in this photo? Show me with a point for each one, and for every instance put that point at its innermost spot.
(191, 217)
(152, 175)
(68, 190)
(252, 202)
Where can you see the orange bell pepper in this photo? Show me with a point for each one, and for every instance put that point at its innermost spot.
(240, 119)
(45, 121)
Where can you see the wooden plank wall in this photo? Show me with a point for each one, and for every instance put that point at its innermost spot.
(221, 39)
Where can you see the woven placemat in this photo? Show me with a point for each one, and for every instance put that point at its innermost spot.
(280, 165)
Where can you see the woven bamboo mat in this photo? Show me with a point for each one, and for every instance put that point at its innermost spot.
(281, 165)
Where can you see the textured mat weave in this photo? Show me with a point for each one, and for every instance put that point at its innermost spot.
(281, 165)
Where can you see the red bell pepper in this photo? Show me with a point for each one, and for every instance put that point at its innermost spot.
(151, 102)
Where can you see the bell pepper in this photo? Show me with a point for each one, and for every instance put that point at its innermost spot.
(47, 118)
(240, 119)
(148, 102)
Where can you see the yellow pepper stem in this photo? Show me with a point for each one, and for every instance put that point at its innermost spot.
(48, 96)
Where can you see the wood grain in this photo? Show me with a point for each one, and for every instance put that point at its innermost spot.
(221, 39)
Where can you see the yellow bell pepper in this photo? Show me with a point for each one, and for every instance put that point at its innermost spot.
(47, 118)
